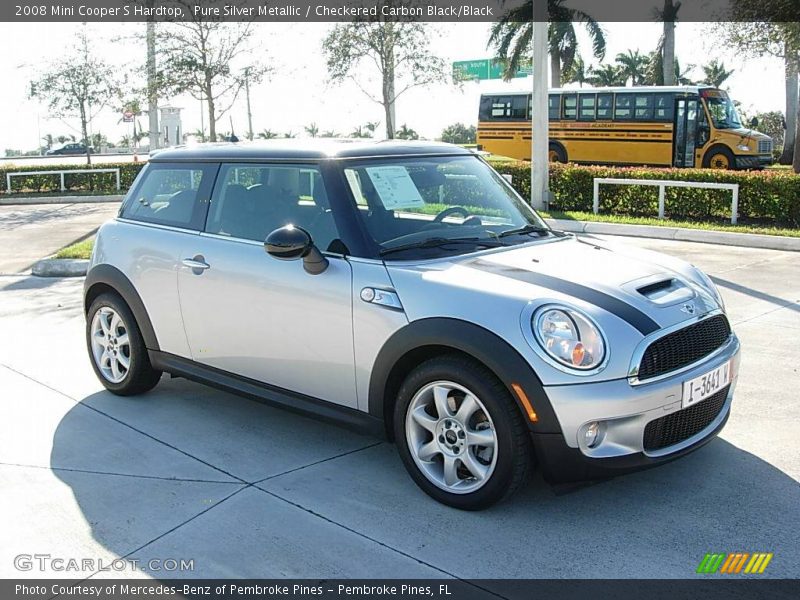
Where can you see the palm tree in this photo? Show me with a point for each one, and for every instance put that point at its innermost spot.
(290, 134)
(312, 129)
(360, 132)
(267, 134)
(682, 75)
(406, 133)
(579, 73)
(48, 139)
(330, 133)
(666, 46)
(632, 65)
(372, 127)
(715, 73)
(511, 37)
(606, 76)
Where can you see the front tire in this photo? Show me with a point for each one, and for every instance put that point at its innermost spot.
(720, 158)
(460, 434)
(116, 348)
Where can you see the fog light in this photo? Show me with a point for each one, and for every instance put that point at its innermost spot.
(592, 435)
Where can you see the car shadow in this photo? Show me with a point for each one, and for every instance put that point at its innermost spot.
(657, 523)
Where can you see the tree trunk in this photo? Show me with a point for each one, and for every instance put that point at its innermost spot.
(85, 134)
(152, 92)
(212, 116)
(669, 47)
(555, 68)
(388, 85)
(789, 138)
(796, 160)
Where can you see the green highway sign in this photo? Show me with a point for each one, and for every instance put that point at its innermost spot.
(485, 68)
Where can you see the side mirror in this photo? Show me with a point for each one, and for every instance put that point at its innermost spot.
(753, 122)
(290, 243)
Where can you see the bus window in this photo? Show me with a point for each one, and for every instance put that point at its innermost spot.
(570, 108)
(604, 107)
(519, 107)
(622, 107)
(664, 107)
(501, 107)
(554, 107)
(644, 107)
(485, 108)
(587, 107)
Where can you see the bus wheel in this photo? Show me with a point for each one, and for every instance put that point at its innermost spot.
(556, 154)
(719, 158)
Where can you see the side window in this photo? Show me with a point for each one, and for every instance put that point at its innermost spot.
(252, 200)
(664, 107)
(501, 107)
(173, 194)
(554, 107)
(587, 107)
(570, 107)
(644, 107)
(623, 107)
(485, 109)
(604, 108)
(519, 107)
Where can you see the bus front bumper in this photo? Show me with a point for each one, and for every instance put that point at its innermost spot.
(753, 162)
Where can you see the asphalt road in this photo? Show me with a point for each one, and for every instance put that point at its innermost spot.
(245, 490)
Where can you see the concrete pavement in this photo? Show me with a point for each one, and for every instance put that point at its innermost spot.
(246, 490)
(28, 233)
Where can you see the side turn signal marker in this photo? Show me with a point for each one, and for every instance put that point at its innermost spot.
(532, 416)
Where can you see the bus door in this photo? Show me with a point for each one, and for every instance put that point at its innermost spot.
(685, 128)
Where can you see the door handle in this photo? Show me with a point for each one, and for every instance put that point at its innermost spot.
(196, 264)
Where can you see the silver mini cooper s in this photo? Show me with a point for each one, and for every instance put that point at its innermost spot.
(407, 289)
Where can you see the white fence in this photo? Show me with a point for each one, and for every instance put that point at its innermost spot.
(61, 173)
(662, 184)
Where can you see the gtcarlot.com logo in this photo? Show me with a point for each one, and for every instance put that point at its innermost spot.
(47, 562)
(735, 563)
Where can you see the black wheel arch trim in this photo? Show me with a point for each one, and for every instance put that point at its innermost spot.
(468, 338)
(115, 279)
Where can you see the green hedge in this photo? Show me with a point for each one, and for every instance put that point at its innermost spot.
(98, 182)
(772, 195)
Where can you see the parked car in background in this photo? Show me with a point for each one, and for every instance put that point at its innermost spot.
(406, 289)
(71, 148)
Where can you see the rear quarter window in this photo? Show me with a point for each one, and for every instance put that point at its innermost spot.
(175, 195)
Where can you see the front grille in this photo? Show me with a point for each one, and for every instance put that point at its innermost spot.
(764, 146)
(683, 424)
(684, 347)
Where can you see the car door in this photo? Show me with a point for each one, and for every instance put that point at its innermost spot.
(250, 314)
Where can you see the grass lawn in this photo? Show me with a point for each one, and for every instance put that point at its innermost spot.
(80, 250)
(718, 225)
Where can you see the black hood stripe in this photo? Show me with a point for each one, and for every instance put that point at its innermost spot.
(615, 306)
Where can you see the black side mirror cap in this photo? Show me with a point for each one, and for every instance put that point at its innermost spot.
(290, 243)
(753, 122)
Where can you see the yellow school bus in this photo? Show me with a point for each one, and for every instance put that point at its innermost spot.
(686, 126)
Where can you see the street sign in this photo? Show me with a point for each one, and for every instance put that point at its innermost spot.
(127, 116)
(485, 68)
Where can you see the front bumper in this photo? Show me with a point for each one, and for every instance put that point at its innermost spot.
(624, 411)
(753, 162)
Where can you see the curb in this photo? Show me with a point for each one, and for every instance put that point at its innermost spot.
(14, 201)
(60, 267)
(725, 238)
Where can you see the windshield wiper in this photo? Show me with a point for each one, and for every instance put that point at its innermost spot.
(437, 242)
(527, 229)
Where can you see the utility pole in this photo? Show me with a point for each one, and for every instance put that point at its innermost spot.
(249, 112)
(152, 91)
(540, 194)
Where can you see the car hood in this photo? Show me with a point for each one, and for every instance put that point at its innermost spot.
(645, 290)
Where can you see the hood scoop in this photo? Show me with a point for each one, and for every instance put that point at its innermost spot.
(665, 291)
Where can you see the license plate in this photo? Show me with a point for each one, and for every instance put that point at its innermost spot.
(702, 387)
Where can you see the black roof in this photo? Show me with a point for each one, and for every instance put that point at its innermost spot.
(304, 149)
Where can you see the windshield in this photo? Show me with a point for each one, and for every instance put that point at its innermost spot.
(439, 205)
(723, 113)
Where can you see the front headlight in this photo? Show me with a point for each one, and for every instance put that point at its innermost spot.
(569, 336)
(705, 281)
(743, 147)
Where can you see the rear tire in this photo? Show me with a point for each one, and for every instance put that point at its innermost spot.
(460, 433)
(116, 348)
(556, 153)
